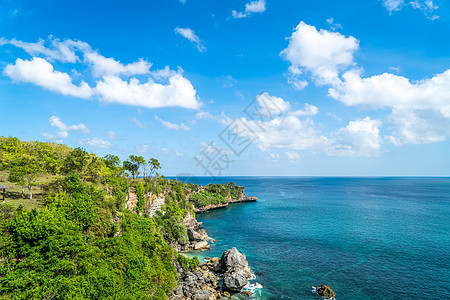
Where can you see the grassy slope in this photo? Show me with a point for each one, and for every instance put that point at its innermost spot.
(14, 194)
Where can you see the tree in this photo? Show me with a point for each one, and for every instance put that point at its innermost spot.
(25, 170)
(133, 164)
(76, 161)
(154, 166)
(112, 161)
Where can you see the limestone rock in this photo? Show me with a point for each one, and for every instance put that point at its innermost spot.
(194, 235)
(246, 293)
(326, 291)
(234, 265)
(201, 245)
(204, 295)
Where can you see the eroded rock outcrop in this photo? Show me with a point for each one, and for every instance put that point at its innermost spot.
(197, 285)
(326, 292)
(235, 269)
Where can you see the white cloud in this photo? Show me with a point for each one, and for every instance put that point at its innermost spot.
(395, 69)
(418, 108)
(308, 110)
(274, 156)
(191, 36)
(258, 6)
(178, 93)
(40, 72)
(358, 138)
(333, 24)
(286, 133)
(426, 6)
(397, 92)
(323, 53)
(143, 149)
(112, 135)
(289, 132)
(162, 88)
(393, 5)
(418, 127)
(204, 115)
(63, 129)
(238, 15)
(173, 126)
(138, 123)
(95, 142)
(272, 104)
(102, 66)
(292, 155)
(57, 51)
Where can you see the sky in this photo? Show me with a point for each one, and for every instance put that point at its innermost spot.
(226, 88)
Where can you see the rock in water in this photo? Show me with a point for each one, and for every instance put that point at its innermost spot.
(234, 265)
(326, 291)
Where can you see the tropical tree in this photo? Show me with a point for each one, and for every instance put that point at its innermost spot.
(133, 164)
(25, 171)
(154, 165)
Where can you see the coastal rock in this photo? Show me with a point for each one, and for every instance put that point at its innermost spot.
(236, 271)
(326, 291)
(204, 295)
(246, 293)
(201, 245)
(194, 236)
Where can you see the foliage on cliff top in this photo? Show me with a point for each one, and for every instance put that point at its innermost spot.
(83, 243)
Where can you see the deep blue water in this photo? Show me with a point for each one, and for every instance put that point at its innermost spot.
(368, 238)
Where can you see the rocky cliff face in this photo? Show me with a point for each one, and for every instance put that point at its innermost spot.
(210, 207)
(231, 272)
(204, 284)
(153, 203)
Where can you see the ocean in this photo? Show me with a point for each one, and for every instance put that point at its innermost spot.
(368, 238)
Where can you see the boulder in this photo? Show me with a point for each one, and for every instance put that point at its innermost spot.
(201, 245)
(246, 293)
(204, 295)
(234, 265)
(194, 236)
(326, 291)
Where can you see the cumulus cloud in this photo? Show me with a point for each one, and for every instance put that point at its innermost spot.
(95, 142)
(418, 108)
(358, 138)
(173, 126)
(258, 6)
(179, 92)
(114, 81)
(290, 132)
(40, 72)
(322, 53)
(191, 36)
(63, 129)
(109, 66)
(308, 110)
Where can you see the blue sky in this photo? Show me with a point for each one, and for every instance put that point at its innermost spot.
(343, 88)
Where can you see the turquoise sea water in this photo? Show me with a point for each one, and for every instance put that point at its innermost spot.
(368, 238)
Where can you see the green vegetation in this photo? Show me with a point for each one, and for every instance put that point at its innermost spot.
(216, 194)
(77, 241)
